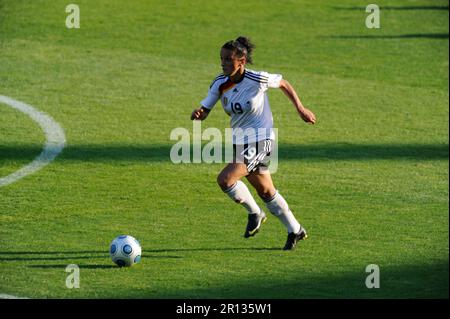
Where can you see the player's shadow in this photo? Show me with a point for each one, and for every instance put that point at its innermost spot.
(50, 255)
(399, 8)
(88, 254)
(161, 153)
(70, 256)
(150, 253)
(398, 36)
(358, 152)
(92, 153)
(74, 257)
(165, 250)
(63, 266)
(29, 252)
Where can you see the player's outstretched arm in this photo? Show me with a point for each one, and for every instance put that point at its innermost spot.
(304, 113)
(200, 114)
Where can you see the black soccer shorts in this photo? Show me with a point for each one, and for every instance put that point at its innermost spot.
(255, 155)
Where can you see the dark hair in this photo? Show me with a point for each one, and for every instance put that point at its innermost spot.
(242, 46)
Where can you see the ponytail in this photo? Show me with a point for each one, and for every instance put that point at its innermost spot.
(242, 46)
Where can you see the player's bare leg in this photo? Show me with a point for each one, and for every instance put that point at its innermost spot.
(277, 205)
(263, 184)
(231, 174)
(229, 181)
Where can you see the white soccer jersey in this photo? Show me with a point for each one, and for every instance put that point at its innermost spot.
(247, 104)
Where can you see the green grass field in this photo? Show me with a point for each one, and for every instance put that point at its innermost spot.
(369, 181)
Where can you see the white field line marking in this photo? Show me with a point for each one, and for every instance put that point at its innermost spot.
(54, 134)
(5, 296)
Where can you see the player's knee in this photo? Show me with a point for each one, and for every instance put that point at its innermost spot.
(266, 194)
(224, 182)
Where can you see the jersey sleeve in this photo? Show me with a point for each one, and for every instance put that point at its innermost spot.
(213, 95)
(273, 80)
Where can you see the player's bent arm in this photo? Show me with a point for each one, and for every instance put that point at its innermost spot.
(200, 113)
(289, 91)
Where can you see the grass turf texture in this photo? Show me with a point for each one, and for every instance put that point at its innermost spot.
(369, 181)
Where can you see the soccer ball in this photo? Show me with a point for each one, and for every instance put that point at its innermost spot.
(125, 251)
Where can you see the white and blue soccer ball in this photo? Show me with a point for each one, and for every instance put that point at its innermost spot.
(125, 251)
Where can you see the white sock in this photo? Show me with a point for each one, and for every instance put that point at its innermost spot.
(240, 194)
(278, 207)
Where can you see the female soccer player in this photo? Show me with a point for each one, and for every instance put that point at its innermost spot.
(243, 96)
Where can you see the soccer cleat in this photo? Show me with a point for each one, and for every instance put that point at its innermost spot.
(293, 239)
(254, 223)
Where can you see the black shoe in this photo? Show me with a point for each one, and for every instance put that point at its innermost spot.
(293, 238)
(254, 223)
